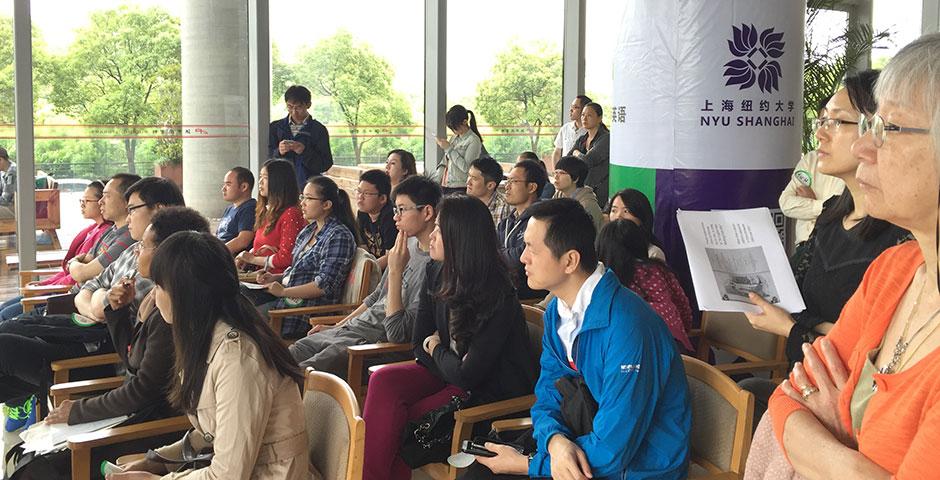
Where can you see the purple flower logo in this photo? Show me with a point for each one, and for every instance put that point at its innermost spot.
(756, 58)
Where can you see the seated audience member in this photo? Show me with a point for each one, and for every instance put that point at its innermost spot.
(241, 388)
(594, 148)
(523, 186)
(469, 338)
(803, 198)
(388, 313)
(399, 165)
(570, 131)
(144, 342)
(299, 139)
(633, 205)
(865, 402)
(7, 185)
(82, 244)
(277, 220)
(31, 341)
(237, 227)
(115, 239)
(322, 257)
(845, 241)
(600, 333)
(549, 190)
(464, 147)
(374, 216)
(568, 178)
(483, 181)
(622, 246)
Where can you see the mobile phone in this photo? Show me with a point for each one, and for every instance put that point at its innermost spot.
(477, 449)
(108, 468)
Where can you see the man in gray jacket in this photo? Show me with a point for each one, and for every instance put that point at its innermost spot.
(388, 313)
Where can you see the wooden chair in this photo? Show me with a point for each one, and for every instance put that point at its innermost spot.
(63, 389)
(731, 332)
(364, 275)
(336, 433)
(82, 445)
(47, 218)
(722, 415)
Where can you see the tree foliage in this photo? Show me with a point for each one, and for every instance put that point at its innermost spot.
(524, 87)
(122, 69)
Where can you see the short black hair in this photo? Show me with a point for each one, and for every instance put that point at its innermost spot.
(420, 189)
(569, 228)
(3, 154)
(170, 220)
(98, 187)
(243, 175)
(584, 100)
(125, 180)
(530, 155)
(156, 190)
(490, 168)
(534, 173)
(297, 93)
(378, 178)
(575, 167)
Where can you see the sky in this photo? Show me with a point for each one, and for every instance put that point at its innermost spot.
(477, 31)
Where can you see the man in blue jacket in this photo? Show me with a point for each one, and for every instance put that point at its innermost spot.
(300, 139)
(601, 331)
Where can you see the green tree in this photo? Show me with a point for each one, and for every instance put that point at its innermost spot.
(524, 88)
(122, 69)
(357, 80)
(40, 63)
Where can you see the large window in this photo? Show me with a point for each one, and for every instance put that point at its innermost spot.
(603, 25)
(364, 64)
(901, 19)
(507, 69)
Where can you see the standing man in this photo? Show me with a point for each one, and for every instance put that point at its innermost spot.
(570, 131)
(7, 185)
(483, 180)
(524, 185)
(602, 336)
(237, 227)
(375, 217)
(300, 139)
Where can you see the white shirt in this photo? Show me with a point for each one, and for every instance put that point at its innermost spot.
(805, 210)
(566, 137)
(571, 318)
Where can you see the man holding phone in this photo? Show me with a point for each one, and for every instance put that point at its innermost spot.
(300, 139)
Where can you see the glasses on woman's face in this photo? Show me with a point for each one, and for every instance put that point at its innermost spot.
(879, 129)
(303, 197)
(830, 123)
(139, 247)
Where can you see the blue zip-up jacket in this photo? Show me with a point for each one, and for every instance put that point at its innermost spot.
(630, 364)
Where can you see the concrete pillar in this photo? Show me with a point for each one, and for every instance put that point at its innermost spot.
(214, 36)
(435, 79)
(572, 83)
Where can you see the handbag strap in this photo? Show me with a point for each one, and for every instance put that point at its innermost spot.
(188, 454)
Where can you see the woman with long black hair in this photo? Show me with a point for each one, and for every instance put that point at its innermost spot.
(277, 219)
(470, 337)
(233, 376)
(634, 205)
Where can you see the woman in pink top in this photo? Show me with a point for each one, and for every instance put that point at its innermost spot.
(277, 219)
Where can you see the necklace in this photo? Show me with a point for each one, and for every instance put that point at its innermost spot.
(901, 346)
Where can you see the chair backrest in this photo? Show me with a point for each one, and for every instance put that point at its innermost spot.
(722, 415)
(735, 333)
(335, 429)
(364, 275)
(535, 322)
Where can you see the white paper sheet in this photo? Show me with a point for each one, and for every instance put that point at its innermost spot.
(252, 286)
(733, 252)
(43, 437)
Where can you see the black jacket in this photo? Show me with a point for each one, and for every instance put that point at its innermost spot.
(597, 159)
(317, 157)
(499, 363)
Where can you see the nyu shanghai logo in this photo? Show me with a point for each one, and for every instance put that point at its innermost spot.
(756, 58)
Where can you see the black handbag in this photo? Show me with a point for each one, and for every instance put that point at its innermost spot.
(32, 466)
(578, 406)
(190, 459)
(427, 440)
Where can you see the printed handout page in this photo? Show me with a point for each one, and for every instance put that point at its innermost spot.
(734, 252)
(43, 437)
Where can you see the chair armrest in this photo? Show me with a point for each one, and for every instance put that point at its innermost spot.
(376, 368)
(493, 410)
(357, 355)
(30, 303)
(747, 367)
(81, 445)
(61, 368)
(288, 312)
(511, 424)
(37, 290)
(695, 332)
(327, 320)
(64, 391)
(27, 275)
(718, 476)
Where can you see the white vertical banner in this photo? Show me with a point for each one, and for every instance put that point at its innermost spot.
(709, 85)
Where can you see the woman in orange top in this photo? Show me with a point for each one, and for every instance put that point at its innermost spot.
(277, 219)
(865, 403)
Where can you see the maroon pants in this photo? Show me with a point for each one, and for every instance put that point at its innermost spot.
(397, 394)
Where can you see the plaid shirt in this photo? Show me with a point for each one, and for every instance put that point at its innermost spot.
(498, 207)
(326, 262)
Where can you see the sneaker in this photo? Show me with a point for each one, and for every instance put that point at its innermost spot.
(21, 416)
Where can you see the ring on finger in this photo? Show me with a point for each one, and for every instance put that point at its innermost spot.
(807, 391)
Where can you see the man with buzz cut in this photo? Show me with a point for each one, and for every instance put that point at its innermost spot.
(601, 334)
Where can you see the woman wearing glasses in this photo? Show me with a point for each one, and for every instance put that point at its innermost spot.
(866, 399)
(321, 256)
(277, 219)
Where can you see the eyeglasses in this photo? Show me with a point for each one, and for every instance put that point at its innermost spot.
(139, 246)
(360, 193)
(558, 173)
(131, 208)
(83, 201)
(303, 197)
(830, 123)
(400, 209)
(879, 129)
